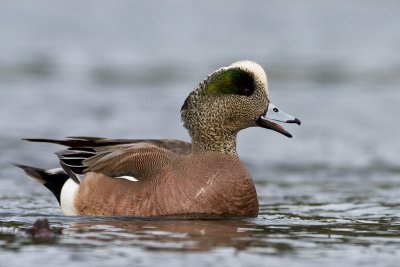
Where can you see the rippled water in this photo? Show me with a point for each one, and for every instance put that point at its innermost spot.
(329, 196)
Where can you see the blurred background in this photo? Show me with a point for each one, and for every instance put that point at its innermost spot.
(122, 69)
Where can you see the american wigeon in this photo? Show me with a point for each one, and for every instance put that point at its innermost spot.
(100, 176)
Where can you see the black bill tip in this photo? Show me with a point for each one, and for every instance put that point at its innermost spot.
(296, 120)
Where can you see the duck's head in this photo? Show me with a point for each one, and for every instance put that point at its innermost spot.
(231, 99)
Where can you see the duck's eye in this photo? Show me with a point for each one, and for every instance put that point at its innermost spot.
(247, 91)
(275, 110)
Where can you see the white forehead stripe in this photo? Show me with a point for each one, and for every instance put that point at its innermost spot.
(254, 68)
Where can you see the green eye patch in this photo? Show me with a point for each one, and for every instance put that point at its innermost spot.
(231, 81)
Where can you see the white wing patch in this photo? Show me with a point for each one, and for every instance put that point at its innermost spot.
(127, 177)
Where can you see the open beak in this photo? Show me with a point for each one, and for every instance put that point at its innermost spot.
(275, 114)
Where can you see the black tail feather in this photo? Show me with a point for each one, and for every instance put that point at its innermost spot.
(72, 142)
(54, 181)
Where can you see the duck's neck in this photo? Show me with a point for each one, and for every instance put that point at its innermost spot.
(215, 142)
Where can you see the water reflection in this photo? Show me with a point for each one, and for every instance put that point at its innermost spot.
(171, 235)
(264, 235)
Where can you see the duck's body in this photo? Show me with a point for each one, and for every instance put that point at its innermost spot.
(102, 176)
(190, 185)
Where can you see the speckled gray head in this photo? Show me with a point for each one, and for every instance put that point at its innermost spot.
(228, 100)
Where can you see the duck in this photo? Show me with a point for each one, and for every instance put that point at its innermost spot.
(164, 177)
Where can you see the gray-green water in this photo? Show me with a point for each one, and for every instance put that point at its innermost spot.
(329, 196)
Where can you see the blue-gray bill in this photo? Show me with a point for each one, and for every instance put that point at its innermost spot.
(275, 114)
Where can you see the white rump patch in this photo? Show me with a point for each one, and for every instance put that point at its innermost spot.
(67, 198)
(127, 177)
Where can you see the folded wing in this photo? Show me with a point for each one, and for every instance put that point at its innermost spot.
(116, 157)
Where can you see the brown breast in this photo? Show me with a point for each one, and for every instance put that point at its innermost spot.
(210, 184)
